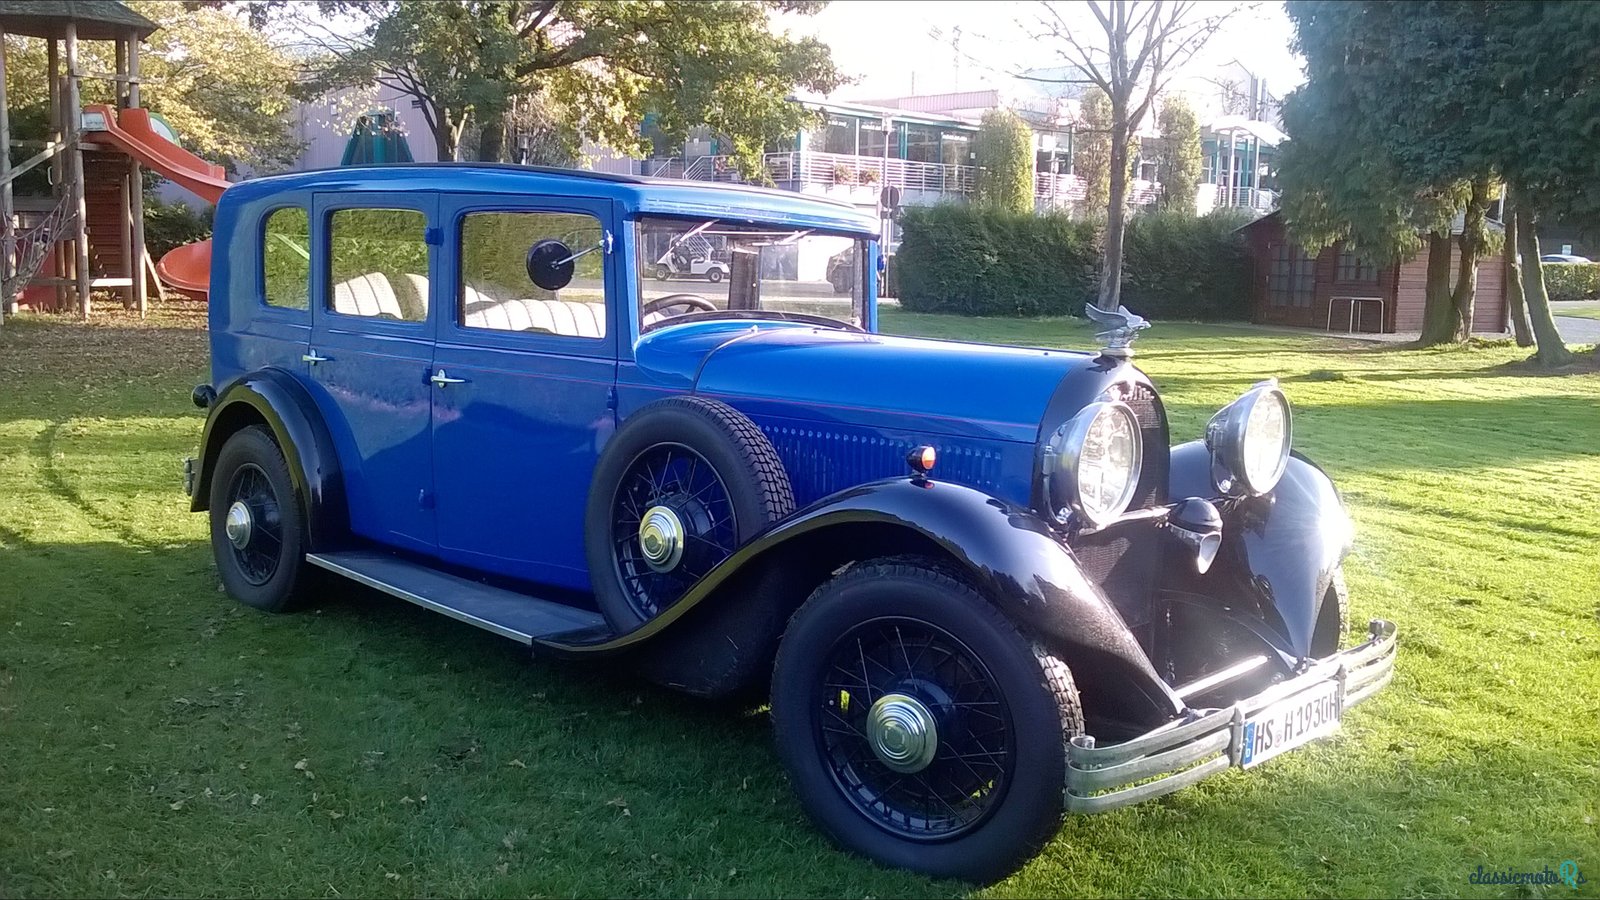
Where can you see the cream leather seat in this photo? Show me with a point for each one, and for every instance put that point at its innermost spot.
(568, 317)
(367, 295)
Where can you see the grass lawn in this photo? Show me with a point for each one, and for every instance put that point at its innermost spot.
(157, 739)
(1582, 312)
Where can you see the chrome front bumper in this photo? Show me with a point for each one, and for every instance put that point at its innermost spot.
(1208, 741)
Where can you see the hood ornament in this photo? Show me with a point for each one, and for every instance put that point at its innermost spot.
(1122, 326)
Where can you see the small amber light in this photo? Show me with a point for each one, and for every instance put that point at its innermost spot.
(922, 458)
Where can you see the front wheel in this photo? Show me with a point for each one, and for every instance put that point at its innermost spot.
(257, 525)
(662, 273)
(919, 726)
(714, 275)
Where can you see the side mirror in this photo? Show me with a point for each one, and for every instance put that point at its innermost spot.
(550, 264)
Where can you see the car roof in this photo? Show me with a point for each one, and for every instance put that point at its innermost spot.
(663, 196)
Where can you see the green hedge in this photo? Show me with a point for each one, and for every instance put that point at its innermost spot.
(1572, 281)
(988, 262)
(169, 225)
(972, 261)
(1176, 266)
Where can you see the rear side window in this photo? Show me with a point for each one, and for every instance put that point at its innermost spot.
(495, 291)
(286, 258)
(379, 264)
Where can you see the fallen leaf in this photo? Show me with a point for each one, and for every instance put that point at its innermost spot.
(335, 814)
(300, 766)
(392, 876)
(255, 800)
(176, 804)
(518, 763)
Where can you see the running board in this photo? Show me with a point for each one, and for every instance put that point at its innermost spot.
(506, 613)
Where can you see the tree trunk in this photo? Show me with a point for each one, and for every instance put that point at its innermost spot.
(444, 143)
(1116, 211)
(1552, 352)
(1473, 241)
(492, 136)
(1438, 312)
(1515, 308)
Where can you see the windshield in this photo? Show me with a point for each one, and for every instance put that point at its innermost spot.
(706, 268)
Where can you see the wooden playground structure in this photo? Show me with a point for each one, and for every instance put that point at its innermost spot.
(88, 234)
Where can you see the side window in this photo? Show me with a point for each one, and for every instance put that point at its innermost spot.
(379, 263)
(495, 292)
(286, 258)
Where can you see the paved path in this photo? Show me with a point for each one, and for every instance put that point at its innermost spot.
(1578, 331)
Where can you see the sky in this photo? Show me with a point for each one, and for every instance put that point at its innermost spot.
(896, 48)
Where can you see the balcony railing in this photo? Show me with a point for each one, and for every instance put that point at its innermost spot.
(802, 168)
(1247, 198)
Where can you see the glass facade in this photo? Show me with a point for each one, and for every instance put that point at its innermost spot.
(868, 136)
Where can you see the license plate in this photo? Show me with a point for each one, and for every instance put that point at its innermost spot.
(1291, 722)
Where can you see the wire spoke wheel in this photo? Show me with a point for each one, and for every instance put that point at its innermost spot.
(673, 521)
(913, 729)
(254, 524)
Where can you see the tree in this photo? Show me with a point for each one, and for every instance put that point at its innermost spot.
(1364, 164)
(224, 87)
(1178, 167)
(1091, 152)
(1518, 309)
(604, 65)
(1004, 151)
(1145, 42)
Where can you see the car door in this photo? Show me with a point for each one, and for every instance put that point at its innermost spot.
(528, 401)
(371, 348)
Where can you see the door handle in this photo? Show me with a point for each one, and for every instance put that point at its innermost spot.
(441, 379)
(312, 358)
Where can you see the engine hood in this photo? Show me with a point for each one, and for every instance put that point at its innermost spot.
(809, 373)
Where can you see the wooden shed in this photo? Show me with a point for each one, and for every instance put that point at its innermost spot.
(1290, 287)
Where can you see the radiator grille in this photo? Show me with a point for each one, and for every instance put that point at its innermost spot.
(1146, 406)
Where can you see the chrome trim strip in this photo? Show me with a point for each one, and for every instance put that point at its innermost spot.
(421, 601)
(1208, 741)
(1200, 686)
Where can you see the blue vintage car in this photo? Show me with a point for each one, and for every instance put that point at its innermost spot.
(977, 583)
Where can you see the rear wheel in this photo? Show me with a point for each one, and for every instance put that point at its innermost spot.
(662, 272)
(919, 727)
(714, 275)
(257, 524)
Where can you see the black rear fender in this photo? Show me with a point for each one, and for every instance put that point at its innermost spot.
(272, 397)
(1004, 552)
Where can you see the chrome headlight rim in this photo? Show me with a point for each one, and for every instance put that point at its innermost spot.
(1062, 465)
(1228, 434)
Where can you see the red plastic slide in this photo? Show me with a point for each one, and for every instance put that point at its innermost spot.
(186, 268)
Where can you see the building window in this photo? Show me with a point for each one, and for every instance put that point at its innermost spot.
(922, 143)
(953, 150)
(878, 141)
(1292, 279)
(286, 258)
(838, 136)
(1353, 268)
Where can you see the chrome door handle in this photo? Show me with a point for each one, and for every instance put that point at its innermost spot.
(441, 379)
(312, 358)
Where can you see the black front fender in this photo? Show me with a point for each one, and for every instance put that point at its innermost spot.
(1009, 555)
(273, 397)
(1279, 551)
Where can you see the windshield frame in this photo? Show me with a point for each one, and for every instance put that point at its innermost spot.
(644, 262)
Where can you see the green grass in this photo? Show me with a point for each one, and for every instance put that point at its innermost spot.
(1582, 312)
(155, 738)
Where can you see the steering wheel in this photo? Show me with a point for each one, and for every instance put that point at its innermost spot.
(693, 301)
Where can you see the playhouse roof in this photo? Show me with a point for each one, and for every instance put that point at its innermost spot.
(97, 20)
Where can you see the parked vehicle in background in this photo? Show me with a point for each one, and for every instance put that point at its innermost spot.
(978, 584)
(1563, 258)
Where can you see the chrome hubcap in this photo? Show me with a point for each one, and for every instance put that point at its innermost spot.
(902, 733)
(239, 524)
(661, 538)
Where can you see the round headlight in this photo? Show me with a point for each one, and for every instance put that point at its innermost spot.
(1092, 463)
(1249, 441)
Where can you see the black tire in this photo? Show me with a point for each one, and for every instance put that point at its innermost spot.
(751, 491)
(269, 571)
(662, 273)
(713, 275)
(1037, 700)
(840, 281)
(1333, 618)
